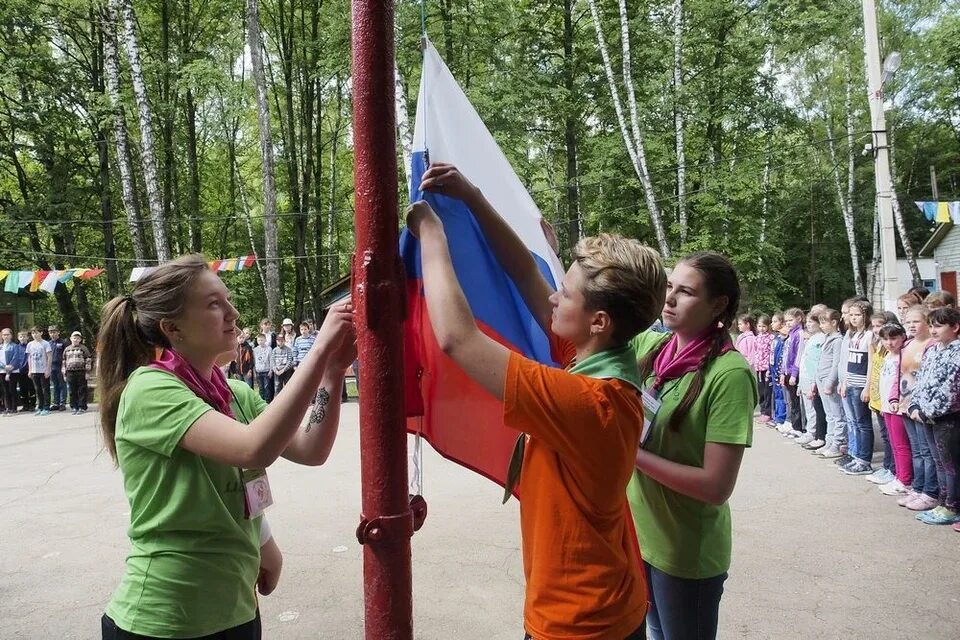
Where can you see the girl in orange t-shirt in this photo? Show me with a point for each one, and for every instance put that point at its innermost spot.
(580, 427)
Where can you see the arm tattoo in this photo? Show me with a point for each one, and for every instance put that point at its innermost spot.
(319, 409)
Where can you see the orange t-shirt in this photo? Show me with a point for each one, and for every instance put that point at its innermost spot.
(584, 576)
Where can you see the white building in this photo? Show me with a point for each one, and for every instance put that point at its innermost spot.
(943, 248)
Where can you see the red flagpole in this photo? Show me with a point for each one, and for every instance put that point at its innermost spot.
(386, 522)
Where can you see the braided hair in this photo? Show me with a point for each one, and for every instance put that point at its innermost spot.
(719, 279)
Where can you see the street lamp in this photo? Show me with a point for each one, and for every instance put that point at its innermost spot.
(890, 66)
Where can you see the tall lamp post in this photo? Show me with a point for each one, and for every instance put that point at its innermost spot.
(876, 76)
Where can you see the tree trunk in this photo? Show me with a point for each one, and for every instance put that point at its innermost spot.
(765, 207)
(403, 123)
(318, 229)
(678, 122)
(266, 152)
(193, 212)
(166, 122)
(310, 88)
(102, 177)
(898, 216)
(286, 28)
(128, 185)
(846, 211)
(634, 144)
(147, 154)
(446, 18)
(574, 226)
(332, 245)
(193, 168)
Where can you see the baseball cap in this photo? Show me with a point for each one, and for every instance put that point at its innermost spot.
(288, 321)
(76, 333)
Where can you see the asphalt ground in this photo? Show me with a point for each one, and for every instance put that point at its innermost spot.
(816, 554)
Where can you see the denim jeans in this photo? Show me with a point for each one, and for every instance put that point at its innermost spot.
(924, 468)
(265, 385)
(683, 608)
(59, 387)
(946, 454)
(859, 426)
(888, 460)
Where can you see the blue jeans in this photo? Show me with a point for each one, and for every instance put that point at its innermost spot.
(682, 608)
(59, 387)
(924, 467)
(888, 463)
(859, 425)
(265, 385)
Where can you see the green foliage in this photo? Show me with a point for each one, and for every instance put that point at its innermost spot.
(764, 88)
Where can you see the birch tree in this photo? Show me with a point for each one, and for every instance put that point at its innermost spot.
(631, 137)
(404, 134)
(845, 193)
(147, 155)
(111, 66)
(266, 154)
(678, 121)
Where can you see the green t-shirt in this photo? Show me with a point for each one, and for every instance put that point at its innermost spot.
(680, 535)
(194, 560)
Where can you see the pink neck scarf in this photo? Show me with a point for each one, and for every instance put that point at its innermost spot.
(672, 363)
(213, 389)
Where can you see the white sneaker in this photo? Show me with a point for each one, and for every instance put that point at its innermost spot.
(829, 452)
(881, 476)
(793, 433)
(805, 438)
(815, 445)
(785, 427)
(894, 488)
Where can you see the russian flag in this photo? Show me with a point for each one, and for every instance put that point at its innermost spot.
(459, 419)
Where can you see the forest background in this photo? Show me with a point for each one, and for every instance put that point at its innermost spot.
(131, 132)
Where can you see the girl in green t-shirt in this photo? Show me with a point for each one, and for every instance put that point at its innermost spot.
(191, 448)
(703, 394)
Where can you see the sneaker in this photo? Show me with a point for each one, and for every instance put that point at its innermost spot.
(938, 515)
(858, 468)
(956, 527)
(829, 452)
(814, 445)
(37, 412)
(83, 411)
(763, 419)
(45, 412)
(908, 497)
(894, 488)
(793, 433)
(880, 476)
(785, 427)
(806, 438)
(923, 502)
(843, 460)
(75, 412)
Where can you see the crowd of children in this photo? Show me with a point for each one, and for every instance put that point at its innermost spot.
(37, 374)
(830, 379)
(266, 360)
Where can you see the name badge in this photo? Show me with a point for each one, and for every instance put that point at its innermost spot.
(651, 405)
(256, 492)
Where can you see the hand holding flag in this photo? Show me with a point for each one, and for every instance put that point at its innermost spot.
(420, 213)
